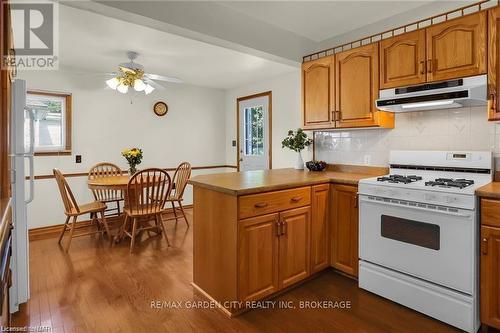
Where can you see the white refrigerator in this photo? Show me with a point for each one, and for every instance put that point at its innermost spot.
(22, 152)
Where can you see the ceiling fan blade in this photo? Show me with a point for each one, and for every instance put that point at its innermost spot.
(154, 84)
(163, 78)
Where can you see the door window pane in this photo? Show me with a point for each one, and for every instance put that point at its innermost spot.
(254, 131)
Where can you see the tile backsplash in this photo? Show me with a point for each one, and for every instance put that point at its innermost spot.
(452, 129)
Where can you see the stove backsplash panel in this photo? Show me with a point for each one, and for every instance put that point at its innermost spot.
(451, 129)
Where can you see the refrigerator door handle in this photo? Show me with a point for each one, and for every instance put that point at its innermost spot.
(32, 132)
(30, 157)
(31, 178)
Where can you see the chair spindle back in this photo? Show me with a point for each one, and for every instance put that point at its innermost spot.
(147, 191)
(105, 170)
(70, 205)
(180, 179)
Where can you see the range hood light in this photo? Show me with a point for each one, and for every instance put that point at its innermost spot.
(426, 104)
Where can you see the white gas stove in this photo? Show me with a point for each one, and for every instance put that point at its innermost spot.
(418, 233)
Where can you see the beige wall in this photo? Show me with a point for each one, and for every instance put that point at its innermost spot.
(105, 122)
(285, 115)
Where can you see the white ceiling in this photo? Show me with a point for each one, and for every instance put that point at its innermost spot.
(319, 20)
(91, 42)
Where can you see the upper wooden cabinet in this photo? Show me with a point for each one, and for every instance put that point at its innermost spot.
(402, 60)
(493, 63)
(318, 92)
(357, 89)
(457, 48)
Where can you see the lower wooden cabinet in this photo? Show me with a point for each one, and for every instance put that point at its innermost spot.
(258, 257)
(273, 252)
(320, 227)
(490, 276)
(344, 234)
(294, 246)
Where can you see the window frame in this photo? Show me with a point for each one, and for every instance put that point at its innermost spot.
(67, 150)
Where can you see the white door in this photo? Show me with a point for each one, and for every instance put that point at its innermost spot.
(254, 133)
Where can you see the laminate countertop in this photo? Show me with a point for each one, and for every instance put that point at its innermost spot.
(250, 182)
(491, 190)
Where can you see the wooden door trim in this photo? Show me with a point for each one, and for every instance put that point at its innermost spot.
(269, 94)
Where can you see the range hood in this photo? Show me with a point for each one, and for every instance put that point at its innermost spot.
(470, 91)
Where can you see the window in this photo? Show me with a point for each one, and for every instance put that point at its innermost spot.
(52, 115)
(254, 131)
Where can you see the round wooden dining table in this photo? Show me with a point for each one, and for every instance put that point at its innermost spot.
(118, 183)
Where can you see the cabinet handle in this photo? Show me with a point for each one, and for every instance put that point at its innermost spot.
(296, 199)
(278, 227)
(429, 66)
(422, 67)
(283, 227)
(333, 116)
(260, 205)
(484, 246)
(356, 201)
(492, 102)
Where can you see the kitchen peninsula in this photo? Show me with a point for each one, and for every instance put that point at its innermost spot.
(259, 232)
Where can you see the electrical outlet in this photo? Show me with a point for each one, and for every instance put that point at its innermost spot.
(368, 159)
(78, 158)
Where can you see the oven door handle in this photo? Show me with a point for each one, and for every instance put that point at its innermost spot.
(466, 215)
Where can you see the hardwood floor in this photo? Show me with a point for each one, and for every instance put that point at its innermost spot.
(95, 288)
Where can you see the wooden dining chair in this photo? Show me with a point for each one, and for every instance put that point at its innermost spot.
(72, 210)
(180, 180)
(106, 195)
(147, 192)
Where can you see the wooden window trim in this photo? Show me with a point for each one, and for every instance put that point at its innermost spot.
(69, 119)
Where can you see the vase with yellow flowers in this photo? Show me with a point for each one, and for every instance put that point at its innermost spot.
(133, 157)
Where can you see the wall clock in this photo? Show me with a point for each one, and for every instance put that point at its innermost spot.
(160, 108)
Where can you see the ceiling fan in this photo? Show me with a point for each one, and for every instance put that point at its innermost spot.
(131, 74)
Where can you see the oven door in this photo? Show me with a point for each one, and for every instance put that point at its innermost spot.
(425, 241)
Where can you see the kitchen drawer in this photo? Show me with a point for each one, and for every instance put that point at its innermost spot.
(490, 212)
(270, 202)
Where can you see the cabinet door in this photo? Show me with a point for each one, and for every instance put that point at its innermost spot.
(457, 48)
(402, 60)
(318, 93)
(490, 276)
(493, 64)
(357, 83)
(345, 229)
(294, 246)
(320, 221)
(258, 257)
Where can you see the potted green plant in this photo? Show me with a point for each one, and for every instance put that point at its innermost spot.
(297, 141)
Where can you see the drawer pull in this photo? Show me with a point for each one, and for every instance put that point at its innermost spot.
(260, 205)
(296, 199)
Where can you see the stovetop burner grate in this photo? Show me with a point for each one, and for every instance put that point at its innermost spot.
(399, 179)
(450, 182)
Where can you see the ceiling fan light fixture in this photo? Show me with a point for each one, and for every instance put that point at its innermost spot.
(122, 88)
(139, 85)
(113, 83)
(148, 89)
